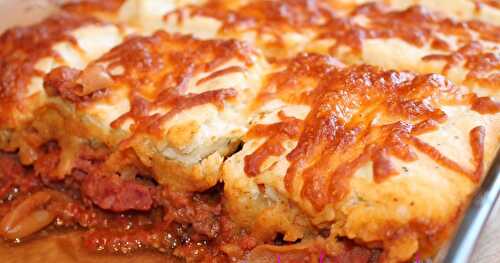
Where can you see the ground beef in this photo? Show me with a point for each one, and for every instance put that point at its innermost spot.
(111, 192)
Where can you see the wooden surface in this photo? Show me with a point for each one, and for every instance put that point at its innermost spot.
(487, 249)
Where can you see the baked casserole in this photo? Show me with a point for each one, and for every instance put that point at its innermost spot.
(245, 131)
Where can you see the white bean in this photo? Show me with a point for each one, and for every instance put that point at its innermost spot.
(27, 217)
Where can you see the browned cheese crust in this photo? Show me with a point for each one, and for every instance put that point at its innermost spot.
(246, 131)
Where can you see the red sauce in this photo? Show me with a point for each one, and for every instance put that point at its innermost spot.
(116, 194)
(14, 178)
(47, 161)
(185, 224)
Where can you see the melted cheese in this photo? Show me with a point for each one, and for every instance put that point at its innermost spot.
(399, 36)
(424, 191)
(75, 44)
(207, 113)
(387, 156)
(148, 14)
